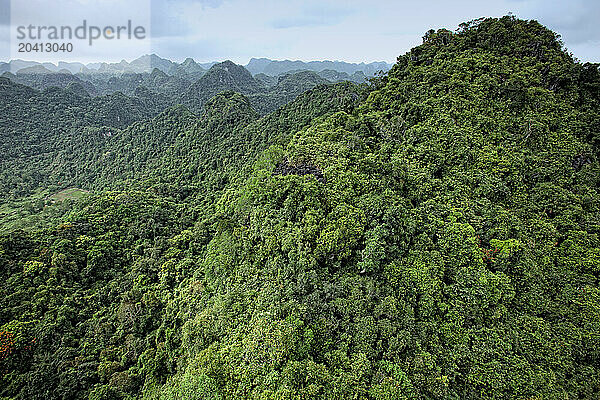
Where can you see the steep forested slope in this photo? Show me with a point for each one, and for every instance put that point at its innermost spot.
(170, 86)
(265, 98)
(63, 137)
(440, 242)
(177, 156)
(287, 88)
(437, 240)
(36, 125)
(220, 77)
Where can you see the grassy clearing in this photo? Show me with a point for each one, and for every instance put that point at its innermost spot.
(38, 210)
(69, 194)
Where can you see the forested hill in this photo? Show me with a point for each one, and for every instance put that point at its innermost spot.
(58, 139)
(62, 137)
(227, 76)
(433, 236)
(36, 126)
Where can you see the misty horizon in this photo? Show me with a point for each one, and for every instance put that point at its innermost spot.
(238, 30)
(181, 60)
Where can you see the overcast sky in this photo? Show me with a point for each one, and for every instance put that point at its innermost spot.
(353, 31)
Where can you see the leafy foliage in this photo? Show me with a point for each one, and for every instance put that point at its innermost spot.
(432, 236)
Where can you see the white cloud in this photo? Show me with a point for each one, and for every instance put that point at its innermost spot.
(348, 30)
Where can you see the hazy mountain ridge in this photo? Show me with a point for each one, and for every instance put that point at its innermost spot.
(147, 63)
(277, 67)
(188, 81)
(39, 77)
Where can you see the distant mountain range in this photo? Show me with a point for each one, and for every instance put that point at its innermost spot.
(187, 83)
(267, 84)
(147, 63)
(274, 67)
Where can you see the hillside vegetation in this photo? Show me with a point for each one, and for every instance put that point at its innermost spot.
(431, 236)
